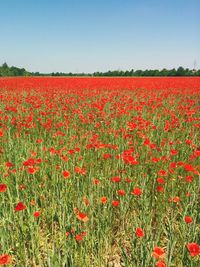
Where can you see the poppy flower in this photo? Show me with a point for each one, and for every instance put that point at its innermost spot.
(172, 165)
(103, 200)
(5, 259)
(115, 203)
(175, 199)
(188, 194)
(78, 237)
(39, 140)
(107, 156)
(9, 164)
(173, 152)
(194, 249)
(188, 219)
(162, 173)
(22, 187)
(160, 189)
(160, 180)
(32, 170)
(116, 179)
(67, 234)
(1, 133)
(20, 206)
(136, 191)
(189, 179)
(121, 192)
(3, 188)
(82, 216)
(86, 201)
(36, 214)
(80, 170)
(189, 167)
(139, 232)
(96, 181)
(66, 174)
(158, 252)
(161, 264)
(155, 160)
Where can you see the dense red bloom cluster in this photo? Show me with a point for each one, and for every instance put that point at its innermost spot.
(178, 83)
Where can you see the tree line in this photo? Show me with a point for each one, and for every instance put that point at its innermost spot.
(6, 71)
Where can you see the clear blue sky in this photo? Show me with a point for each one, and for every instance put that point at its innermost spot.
(98, 35)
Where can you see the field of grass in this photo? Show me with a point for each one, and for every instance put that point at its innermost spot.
(100, 172)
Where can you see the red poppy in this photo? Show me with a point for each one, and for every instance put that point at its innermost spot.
(188, 219)
(115, 203)
(158, 252)
(67, 234)
(194, 249)
(78, 237)
(3, 188)
(160, 180)
(139, 232)
(39, 140)
(160, 189)
(22, 186)
(9, 164)
(66, 174)
(189, 167)
(96, 181)
(80, 170)
(128, 159)
(189, 179)
(175, 199)
(136, 191)
(107, 156)
(173, 152)
(161, 264)
(172, 165)
(188, 194)
(1, 132)
(20, 206)
(155, 160)
(37, 214)
(103, 200)
(5, 259)
(82, 216)
(32, 170)
(121, 192)
(116, 179)
(86, 201)
(162, 173)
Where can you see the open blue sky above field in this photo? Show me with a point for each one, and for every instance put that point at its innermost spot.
(98, 35)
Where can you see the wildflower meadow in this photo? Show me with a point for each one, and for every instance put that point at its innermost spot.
(99, 172)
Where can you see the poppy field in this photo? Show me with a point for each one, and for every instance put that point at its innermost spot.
(99, 172)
